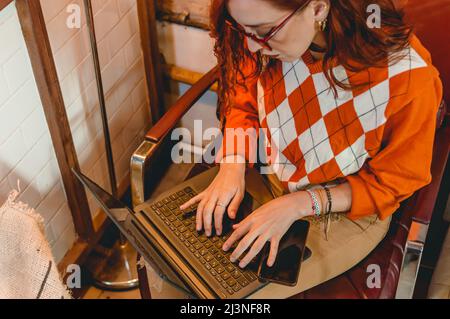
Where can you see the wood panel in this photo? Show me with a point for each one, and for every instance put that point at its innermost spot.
(41, 57)
(187, 12)
(152, 57)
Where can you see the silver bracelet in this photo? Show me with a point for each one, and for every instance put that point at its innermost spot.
(315, 202)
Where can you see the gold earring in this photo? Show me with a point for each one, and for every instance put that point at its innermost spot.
(323, 25)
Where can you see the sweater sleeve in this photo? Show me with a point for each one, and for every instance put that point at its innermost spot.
(403, 164)
(242, 122)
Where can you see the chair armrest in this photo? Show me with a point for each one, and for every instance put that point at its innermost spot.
(417, 214)
(427, 196)
(182, 105)
(155, 136)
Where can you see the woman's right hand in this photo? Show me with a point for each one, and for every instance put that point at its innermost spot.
(226, 191)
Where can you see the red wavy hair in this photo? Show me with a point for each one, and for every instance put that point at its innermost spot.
(350, 42)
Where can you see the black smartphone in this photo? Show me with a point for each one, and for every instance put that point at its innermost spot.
(292, 251)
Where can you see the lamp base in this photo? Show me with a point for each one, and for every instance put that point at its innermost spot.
(115, 269)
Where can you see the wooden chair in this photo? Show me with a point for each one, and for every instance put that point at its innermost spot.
(403, 246)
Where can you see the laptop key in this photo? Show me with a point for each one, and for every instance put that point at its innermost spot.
(236, 274)
(213, 272)
(225, 276)
(187, 235)
(231, 282)
(237, 288)
(203, 251)
(208, 257)
(182, 229)
(219, 244)
(192, 240)
(214, 263)
(230, 291)
(230, 268)
(242, 281)
(172, 206)
(196, 254)
(220, 269)
(177, 223)
(219, 256)
(250, 276)
(178, 213)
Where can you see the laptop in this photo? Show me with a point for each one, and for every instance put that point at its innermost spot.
(166, 237)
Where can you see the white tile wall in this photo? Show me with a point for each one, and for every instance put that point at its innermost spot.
(26, 152)
(121, 62)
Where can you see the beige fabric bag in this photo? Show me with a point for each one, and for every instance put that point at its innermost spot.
(27, 267)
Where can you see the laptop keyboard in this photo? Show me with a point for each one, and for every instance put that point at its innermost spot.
(208, 250)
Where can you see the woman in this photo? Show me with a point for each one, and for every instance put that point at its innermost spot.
(349, 110)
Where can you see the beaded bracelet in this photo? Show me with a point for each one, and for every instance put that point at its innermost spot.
(329, 205)
(315, 203)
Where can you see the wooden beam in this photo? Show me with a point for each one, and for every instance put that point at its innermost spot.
(38, 45)
(193, 13)
(183, 75)
(152, 57)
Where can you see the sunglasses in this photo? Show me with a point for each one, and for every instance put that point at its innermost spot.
(272, 32)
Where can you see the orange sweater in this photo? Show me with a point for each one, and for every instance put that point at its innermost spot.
(379, 138)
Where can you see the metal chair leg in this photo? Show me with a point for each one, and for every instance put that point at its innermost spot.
(411, 260)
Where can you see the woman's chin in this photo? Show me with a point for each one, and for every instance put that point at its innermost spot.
(286, 59)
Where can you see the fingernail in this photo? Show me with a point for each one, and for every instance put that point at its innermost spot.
(225, 247)
(241, 265)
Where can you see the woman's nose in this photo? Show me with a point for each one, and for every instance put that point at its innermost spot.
(253, 46)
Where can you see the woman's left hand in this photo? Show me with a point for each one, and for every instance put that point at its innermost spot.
(267, 223)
